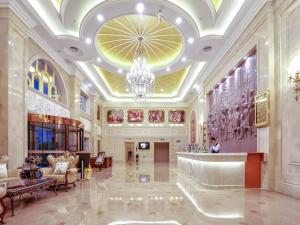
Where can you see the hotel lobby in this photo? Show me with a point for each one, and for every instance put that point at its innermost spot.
(158, 112)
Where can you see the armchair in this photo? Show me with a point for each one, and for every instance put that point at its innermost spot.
(62, 179)
(12, 174)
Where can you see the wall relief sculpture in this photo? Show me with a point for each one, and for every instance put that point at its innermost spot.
(231, 118)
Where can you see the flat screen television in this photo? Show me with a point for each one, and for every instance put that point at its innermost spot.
(144, 145)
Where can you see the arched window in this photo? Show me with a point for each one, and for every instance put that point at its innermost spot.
(45, 84)
(45, 79)
(36, 83)
(53, 93)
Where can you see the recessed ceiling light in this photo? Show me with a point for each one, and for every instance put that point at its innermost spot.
(191, 40)
(126, 89)
(120, 71)
(168, 69)
(99, 59)
(100, 17)
(234, 68)
(178, 20)
(140, 7)
(183, 59)
(245, 57)
(196, 86)
(88, 40)
(161, 90)
(90, 85)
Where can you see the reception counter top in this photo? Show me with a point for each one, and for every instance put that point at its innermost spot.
(222, 170)
(214, 157)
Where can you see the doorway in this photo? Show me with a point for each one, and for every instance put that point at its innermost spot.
(129, 152)
(161, 152)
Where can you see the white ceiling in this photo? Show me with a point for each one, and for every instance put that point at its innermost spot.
(77, 20)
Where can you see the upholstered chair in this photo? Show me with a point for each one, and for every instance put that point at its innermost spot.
(71, 174)
(12, 174)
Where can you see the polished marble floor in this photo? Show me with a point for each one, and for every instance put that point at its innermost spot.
(154, 195)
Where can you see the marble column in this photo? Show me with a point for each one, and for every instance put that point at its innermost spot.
(13, 112)
(74, 96)
(94, 103)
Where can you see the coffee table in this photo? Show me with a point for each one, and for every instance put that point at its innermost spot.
(15, 188)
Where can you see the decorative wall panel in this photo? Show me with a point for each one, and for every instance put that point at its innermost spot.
(42, 105)
(231, 118)
(87, 124)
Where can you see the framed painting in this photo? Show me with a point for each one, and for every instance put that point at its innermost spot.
(176, 116)
(115, 116)
(156, 116)
(135, 116)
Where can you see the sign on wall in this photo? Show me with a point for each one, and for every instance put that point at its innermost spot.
(262, 103)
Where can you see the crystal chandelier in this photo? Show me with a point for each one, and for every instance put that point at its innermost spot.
(140, 79)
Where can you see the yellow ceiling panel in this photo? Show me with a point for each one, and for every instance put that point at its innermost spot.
(217, 4)
(119, 41)
(165, 84)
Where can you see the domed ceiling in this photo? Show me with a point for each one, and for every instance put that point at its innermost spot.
(98, 39)
(118, 40)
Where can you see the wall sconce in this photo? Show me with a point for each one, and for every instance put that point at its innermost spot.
(295, 80)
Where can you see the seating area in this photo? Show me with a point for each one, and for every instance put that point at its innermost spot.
(29, 178)
(63, 169)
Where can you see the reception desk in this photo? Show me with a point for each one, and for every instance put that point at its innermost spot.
(222, 170)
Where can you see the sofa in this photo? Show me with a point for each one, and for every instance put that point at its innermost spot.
(12, 174)
(70, 176)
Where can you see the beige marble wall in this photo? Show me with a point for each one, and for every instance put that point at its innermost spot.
(114, 138)
(275, 32)
(13, 59)
(287, 51)
(17, 53)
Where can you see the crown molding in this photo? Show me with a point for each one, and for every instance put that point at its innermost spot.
(235, 33)
(14, 6)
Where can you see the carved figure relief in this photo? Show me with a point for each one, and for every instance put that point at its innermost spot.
(232, 109)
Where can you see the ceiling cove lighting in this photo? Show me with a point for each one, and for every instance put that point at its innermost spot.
(140, 7)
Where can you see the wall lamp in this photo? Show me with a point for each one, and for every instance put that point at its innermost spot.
(295, 80)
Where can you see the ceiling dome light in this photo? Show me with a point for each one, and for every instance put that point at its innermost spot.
(140, 8)
(100, 17)
(183, 59)
(168, 69)
(120, 71)
(178, 20)
(88, 40)
(99, 59)
(191, 40)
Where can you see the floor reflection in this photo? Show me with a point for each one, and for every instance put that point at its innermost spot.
(150, 193)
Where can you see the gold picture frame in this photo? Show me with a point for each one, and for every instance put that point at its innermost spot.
(262, 109)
